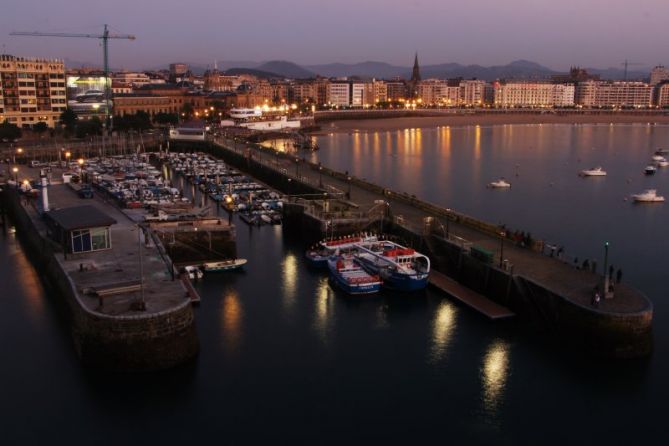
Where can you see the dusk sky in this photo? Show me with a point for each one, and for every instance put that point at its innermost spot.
(595, 33)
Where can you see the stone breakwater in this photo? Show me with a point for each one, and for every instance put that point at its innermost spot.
(127, 342)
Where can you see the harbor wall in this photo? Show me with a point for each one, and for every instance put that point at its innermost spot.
(604, 333)
(128, 343)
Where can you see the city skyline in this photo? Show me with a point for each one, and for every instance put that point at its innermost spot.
(600, 34)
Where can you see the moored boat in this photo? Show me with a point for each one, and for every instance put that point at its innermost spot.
(319, 254)
(351, 277)
(224, 265)
(593, 172)
(400, 268)
(648, 196)
(650, 170)
(499, 184)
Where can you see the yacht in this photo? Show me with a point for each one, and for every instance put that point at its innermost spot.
(593, 172)
(499, 184)
(657, 157)
(648, 196)
(661, 162)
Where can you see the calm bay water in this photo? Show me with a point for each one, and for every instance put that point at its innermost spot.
(284, 357)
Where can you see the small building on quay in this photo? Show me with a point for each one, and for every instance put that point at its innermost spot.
(80, 229)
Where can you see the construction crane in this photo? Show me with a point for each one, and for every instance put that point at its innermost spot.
(105, 36)
(626, 64)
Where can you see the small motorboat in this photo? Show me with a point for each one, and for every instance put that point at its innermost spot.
(193, 272)
(650, 169)
(499, 184)
(661, 161)
(224, 265)
(351, 277)
(657, 157)
(648, 196)
(593, 172)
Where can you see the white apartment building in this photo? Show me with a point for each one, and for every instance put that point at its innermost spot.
(472, 92)
(658, 74)
(31, 90)
(533, 94)
(438, 92)
(614, 94)
(339, 93)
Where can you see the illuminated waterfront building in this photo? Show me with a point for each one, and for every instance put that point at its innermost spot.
(31, 90)
(533, 94)
(614, 94)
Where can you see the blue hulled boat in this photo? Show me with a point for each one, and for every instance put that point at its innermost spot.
(351, 277)
(400, 268)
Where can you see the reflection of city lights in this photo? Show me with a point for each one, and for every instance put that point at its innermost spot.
(324, 308)
(232, 319)
(495, 368)
(289, 269)
(443, 327)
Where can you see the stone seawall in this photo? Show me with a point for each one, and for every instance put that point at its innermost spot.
(618, 335)
(130, 343)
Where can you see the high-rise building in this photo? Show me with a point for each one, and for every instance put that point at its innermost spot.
(472, 92)
(339, 93)
(658, 74)
(396, 90)
(663, 95)
(31, 90)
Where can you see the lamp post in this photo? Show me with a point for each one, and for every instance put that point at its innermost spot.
(501, 251)
(297, 166)
(16, 175)
(348, 193)
(320, 175)
(448, 221)
(606, 273)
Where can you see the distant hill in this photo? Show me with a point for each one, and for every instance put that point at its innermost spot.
(363, 69)
(253, 72)
(285, 69)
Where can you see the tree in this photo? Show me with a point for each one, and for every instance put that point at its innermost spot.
(187, 110)
(9, 131)
(40, 127)
(68, 119)
(142, 121)
(166, 118)
(90, 127)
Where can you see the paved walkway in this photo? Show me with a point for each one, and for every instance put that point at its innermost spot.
(558, 276)
(117, 265)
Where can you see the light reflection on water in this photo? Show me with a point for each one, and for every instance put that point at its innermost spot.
(494, 374)
(325, 307)
(290, 280)
(232, 320)
(443, 328)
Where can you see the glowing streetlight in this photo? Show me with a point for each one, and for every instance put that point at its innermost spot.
(16, 174)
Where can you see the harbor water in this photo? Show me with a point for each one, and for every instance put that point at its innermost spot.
(286, 358)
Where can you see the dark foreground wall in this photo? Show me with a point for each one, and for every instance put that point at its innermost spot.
(129, 343)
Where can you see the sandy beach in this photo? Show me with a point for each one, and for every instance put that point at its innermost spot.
(352, 125)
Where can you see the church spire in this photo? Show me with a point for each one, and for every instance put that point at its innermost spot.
(415, 75)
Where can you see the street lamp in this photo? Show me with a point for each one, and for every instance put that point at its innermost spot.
(348, 194)
(297, 166)
(320, 175)
(16, 175)
(501, 251)
(606, 273)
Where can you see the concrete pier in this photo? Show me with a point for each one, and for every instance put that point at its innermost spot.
(126, 313)
(544, 290)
